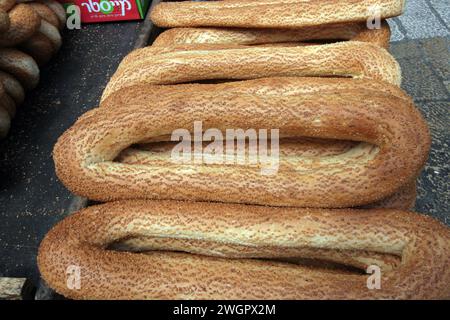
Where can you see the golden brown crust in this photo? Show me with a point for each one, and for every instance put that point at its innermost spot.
(234, 234)
(21, 66)
(402, 199)
(52, 34)
(265, 86)
(44, 44)
(270, 13)
(245, 36)
(4, 21)
(5, 121)
(84, 154)
(58, 9)
(12, 87)
(39, 47)
(6, 5)
(380, 36)
(187, 63)
(24, 22)
(8, 104)
(46, 13)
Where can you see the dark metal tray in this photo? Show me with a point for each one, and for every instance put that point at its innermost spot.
(32, 199)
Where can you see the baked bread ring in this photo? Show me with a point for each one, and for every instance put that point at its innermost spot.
(270, 13)
(4, 21)
(40, 48)
(157, 150)
(51, 33)
(21, 66)
(8, 103)
(12, 87)
(24, 22)
(46, 13)
(5, 121)
(58, 9)
(338, 32)
(403, 199)
(44, 44)
(263, 86)
(6, 5)
(394, 143)
(232, 251)
(178, 64)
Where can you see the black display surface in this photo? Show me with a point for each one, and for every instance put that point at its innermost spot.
(31, 197)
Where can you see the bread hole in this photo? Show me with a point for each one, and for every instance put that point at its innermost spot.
(324, 41)
(289, 149)
(331, 260)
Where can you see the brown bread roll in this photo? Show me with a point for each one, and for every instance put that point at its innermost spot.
(12, 87)
(21, 66)
(24, 22)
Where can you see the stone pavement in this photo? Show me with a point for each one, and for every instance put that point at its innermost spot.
(421, 44)
(422, 19)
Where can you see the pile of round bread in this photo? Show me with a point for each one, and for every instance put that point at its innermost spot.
(351, 146)
(29, 37)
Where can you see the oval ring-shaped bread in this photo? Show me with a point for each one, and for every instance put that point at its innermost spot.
(227, 251)
(158, 151)
(271, 13)
(44, 44)
(403, 199)
(39, 47)
(6, 5)
(12, 87)
(394, 143)
(24, 22)
(4, 21)
(46, 13)
(245, 36)
(58, 9)
(8, 104)
(178, 64)
(21, 66)
(52, 33)
(5, 122)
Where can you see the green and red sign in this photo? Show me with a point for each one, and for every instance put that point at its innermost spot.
(109, 10)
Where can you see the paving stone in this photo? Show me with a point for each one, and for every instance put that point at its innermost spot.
(447, 85)
(419, 80)
(420, 22)
(432, 192)
(438, 118)
(442, 7)
(396, 33)
(437, 51)
(405, 49)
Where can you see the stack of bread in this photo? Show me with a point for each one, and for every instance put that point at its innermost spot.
(29, 37)
(351, 146)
